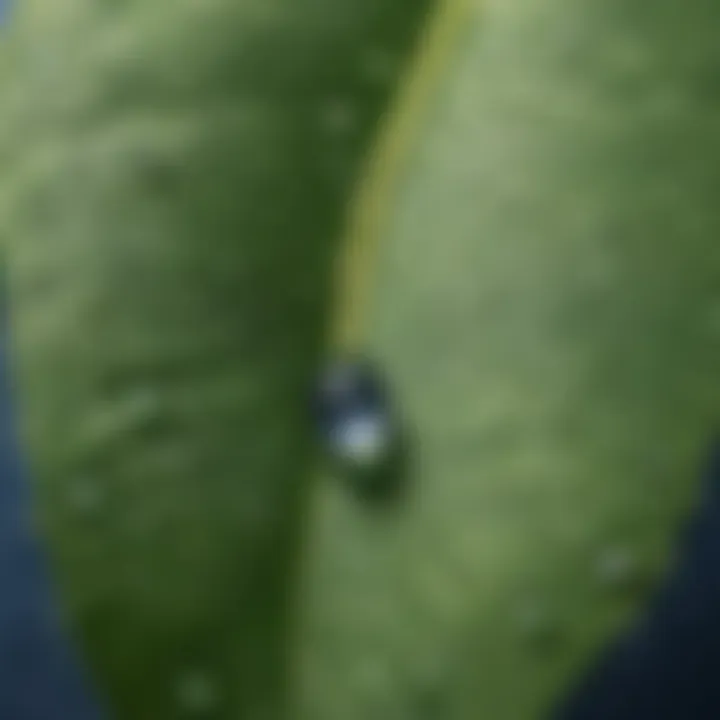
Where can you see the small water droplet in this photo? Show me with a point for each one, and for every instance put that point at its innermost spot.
(197, 693)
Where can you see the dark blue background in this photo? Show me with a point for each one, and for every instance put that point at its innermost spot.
(39, 677)
(668, 667)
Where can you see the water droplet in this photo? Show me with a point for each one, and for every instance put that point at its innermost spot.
(197, 693)
(363, 439)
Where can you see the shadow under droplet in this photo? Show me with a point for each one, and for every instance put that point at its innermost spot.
(389, 485)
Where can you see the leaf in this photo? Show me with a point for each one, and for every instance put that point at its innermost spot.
(176, 181)
(546, 303)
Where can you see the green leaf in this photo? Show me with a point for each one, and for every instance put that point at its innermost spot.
(546, 302)
(174, 192)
